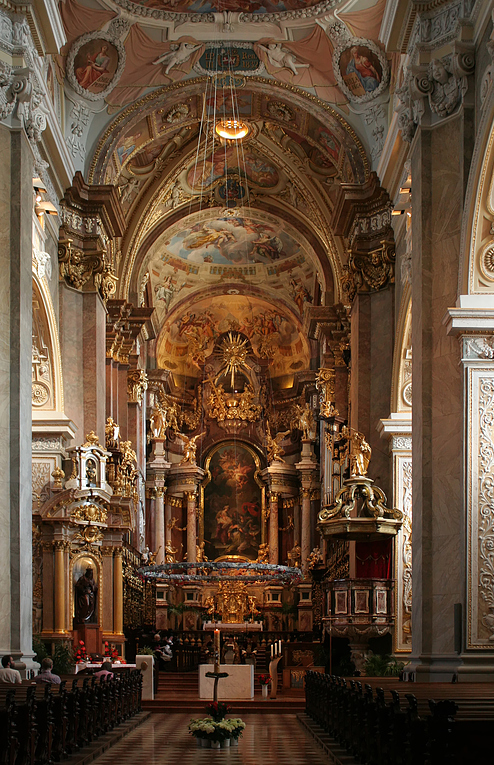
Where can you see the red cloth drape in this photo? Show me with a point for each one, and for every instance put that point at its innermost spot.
(317, 50)
(373, 560)
(365, 23)
(140, 72)
(79, 20)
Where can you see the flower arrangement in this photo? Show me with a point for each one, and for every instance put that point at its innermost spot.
(264, 679)
(112, 652)
(217, 710)
(213, 730)
(81, 653)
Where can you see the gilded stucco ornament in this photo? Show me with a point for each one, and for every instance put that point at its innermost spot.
(325, 384)
(190, 448)
(137, 383)
(370, 271)
(76, 266)
(273, 445)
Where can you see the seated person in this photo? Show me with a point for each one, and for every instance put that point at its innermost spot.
(46, 675)
(105, 671)
(7, 673)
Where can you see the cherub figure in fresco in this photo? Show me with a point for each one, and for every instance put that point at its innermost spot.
(178, 54)
(280, 57)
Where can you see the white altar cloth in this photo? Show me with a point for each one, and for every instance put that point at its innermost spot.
(238, 685)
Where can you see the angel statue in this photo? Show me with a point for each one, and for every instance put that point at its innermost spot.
(360, 451)
(275, 452)
(158, 422)
(278, 56)
(190, 448)
(304, 421)
(178, 54)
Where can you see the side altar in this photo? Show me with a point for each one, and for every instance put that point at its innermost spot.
(239, 683)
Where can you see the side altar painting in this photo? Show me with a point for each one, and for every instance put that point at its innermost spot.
(232, 502)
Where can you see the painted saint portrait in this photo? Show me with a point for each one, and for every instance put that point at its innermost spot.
(361, 70)
(95, 65)
(232, 503)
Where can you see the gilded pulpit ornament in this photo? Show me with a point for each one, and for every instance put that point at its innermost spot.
(273, 445)
(359, 511)
(325, 384)
(360, 451)
(58, 475)
(91, 439)
(190, 448)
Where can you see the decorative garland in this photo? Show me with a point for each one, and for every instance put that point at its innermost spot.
(229, 571)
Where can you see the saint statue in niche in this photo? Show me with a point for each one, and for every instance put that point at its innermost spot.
(86, 591)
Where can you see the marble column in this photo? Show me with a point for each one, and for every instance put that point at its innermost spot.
(438, 157)
(273, 527)
(159, 520)
(117, 591)
(191, 498)
(398, 428)
(94, 372)
(16, 193)
(305, 540)
(59, 585)
(151, 519)
(106, 617)
(168, 521)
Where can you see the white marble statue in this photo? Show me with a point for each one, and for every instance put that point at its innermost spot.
(279, 56)
(178, 54)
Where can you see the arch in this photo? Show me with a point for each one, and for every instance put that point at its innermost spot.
(402, 356)
(476, 266)
(51, 381)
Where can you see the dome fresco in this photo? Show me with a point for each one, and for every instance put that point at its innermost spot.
(218, 6)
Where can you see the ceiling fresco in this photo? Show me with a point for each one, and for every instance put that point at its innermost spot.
(190, 332)
(230, 252)
(218, 6)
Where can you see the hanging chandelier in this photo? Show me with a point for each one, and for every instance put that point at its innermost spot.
(231, 129)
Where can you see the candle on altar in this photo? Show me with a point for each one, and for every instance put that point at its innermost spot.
(216, 650)
(272, 650)
(279, 646)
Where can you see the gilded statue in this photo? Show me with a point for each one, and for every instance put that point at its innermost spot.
(304, 421)
(190, 448)
(112, 431)
(314, 558)
(170, 553)
(273, 445)
(295, 556)
(157, 422)
(263, 553)
(360, 451)
(200, 554)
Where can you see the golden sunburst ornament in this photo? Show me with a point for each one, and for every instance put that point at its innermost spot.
(234, 350)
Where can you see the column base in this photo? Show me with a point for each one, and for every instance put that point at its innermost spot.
(433, 668)
(24, 662)
(476, 668)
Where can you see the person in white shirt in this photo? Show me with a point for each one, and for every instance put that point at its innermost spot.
(7, 673)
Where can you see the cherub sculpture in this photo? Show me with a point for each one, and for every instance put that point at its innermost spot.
(275, 452)
(190, 448)
(178, 54)
(280, 57)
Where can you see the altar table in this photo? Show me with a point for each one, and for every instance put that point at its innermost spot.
(238, 685)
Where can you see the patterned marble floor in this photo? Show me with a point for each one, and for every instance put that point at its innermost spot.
(267, 740)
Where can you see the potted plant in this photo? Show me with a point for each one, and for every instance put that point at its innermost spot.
(264, 681)
(63, 660)
(217, 710)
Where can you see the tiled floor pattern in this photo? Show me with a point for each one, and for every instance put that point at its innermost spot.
(267, 740)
